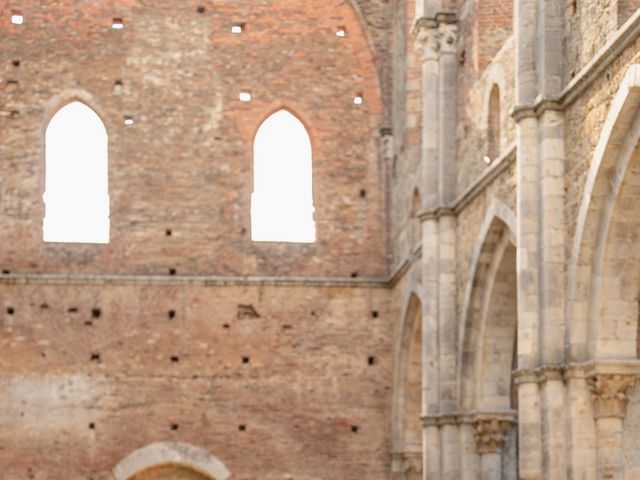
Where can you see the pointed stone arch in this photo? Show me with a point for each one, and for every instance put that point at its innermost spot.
(171, 453)
(492, 262)
(604, 243)
(487, 345)
(407, 390)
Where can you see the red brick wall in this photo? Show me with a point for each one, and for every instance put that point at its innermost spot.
(493, 25)
(79, 390)
(186, 163)
(307, 382)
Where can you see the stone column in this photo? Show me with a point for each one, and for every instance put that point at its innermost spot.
(609, 396)
(528, 232)
(529, 433)
(450, 441)
(431, 439)
(427, 45)
(491, 435)
(469, 461)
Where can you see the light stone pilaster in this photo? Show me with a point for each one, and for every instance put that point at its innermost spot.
(432, 468)
(581, 433)
(529, 433)
(470, 460)
(450, 441)
(428, 45)
(435, 40)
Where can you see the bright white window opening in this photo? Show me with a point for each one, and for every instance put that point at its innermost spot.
(282, 201)
(76, 186)
(17, 19)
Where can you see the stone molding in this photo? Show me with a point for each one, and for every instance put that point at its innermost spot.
(163, 453)
(430, 23)
(201, 280)
(540, 374)
(440, 211)
(471, 417)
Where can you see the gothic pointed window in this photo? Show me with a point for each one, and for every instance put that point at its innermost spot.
(76, 177)
(493, 124)
(282, 200)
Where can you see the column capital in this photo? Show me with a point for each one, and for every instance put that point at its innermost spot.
(609, 381)
(426, 40)
(609, 393)
(434, 37)
(492, 429)
(448, 33)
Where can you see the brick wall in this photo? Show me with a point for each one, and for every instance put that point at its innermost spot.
(272, 380)
(186, 163)
(279, 379)
(493, 25)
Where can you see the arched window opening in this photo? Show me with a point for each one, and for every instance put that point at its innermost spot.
(414, 226)
(493, 127)
(282, 200)
(76, 180)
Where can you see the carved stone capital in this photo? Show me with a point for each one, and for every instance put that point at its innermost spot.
(609, 393)
(492, 429)
(433, 38)
(427, 43)
(448, 33)
(609, 381)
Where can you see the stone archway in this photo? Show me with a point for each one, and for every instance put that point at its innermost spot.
(170, 461)
(407, 401)
(487, 352)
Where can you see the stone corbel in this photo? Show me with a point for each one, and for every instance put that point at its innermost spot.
(492, 429)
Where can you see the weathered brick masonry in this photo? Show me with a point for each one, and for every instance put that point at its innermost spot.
(469, 310)
(278, 379)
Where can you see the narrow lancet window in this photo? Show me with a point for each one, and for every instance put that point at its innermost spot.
(76, 177)
(493, 124)
(282, 200)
